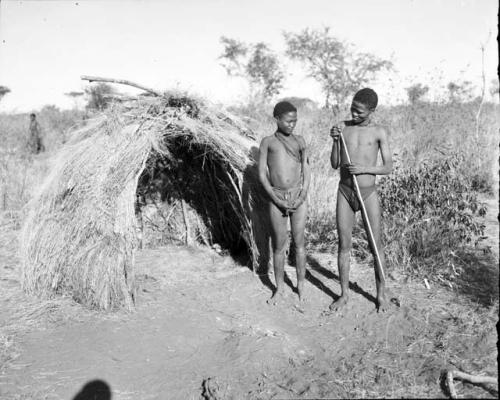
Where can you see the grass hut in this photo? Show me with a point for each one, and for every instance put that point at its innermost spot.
(85, 222)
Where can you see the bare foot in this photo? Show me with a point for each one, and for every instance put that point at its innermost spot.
(301, 303)
(383, 304)
(302, 293)
(278, 298)
(339, 304)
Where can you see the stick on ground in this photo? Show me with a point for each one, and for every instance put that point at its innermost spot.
(451, 375)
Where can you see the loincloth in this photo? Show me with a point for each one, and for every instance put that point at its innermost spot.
(289, 196)
(350, 195)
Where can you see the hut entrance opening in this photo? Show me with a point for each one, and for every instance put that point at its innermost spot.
(189, 196)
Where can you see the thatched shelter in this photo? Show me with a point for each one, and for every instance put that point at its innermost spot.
(85, 223)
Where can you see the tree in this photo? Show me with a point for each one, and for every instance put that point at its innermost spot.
(99, 96)
(258, 64)
(75, 96)
(494, 89)
(339, 69)
(416, 92)
(460, 91)
(3, 91)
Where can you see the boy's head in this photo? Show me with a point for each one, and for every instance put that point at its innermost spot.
(285, 114)
(367, 97)
(32, 116)
(364, 103)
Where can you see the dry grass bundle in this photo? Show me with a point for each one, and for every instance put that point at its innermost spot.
(80, 233)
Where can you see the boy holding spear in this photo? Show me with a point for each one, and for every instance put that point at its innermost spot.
(355, 150)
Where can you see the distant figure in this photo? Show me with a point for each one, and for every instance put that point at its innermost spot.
(285, 175)
(364, 141)
(35, 144)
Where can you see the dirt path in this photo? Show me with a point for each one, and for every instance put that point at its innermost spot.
(203, 326)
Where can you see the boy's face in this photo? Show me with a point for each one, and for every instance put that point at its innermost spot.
(286, 122)
(360, 112)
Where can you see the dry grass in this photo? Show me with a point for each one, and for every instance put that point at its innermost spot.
(429, 131)
(21, 312)
(79, 236)
(20, 174)
(56, 126)
(20, 171)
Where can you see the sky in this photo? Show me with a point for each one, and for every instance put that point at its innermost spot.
(45, 46)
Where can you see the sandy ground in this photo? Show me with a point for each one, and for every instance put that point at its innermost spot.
(203, 330)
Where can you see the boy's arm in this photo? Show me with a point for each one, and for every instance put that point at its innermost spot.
(335, 155)
(306, 169)
(264, 180)
(385, 152)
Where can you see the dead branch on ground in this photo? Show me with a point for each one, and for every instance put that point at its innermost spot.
(477, 379)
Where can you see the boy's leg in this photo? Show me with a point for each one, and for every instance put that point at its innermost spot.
(279, 239)
(298, 223)
(373, 210)
(345, 220)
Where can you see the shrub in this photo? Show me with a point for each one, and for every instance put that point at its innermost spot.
(56, 124)
(429, 213)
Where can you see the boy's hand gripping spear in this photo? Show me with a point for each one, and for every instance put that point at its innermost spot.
(378, 265)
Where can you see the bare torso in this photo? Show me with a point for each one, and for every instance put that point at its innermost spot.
(34, 128)
(363, 145)
(284, 171)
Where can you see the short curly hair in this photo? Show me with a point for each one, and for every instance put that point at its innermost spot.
(366, 96)
(282, 108)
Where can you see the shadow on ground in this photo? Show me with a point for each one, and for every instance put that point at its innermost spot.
(316, 266)
(479, 279)
(94, 390)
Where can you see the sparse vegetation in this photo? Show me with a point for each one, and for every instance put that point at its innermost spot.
(20, 173)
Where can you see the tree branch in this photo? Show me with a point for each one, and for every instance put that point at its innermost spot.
(122, 82)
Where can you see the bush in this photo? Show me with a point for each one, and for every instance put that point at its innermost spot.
(428, 214)
(56, 124)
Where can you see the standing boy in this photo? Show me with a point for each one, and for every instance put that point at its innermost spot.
(285, 175)
(35, 144)
(363, 140)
